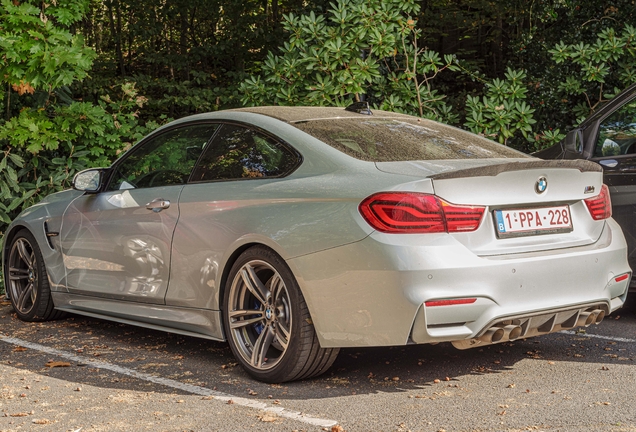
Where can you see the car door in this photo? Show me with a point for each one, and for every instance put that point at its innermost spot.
(116, 243)
(615, 149)
(221, 204)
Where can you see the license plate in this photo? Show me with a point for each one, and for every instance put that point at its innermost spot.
(535, 221)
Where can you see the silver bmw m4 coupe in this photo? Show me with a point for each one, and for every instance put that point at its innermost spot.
(291, 232)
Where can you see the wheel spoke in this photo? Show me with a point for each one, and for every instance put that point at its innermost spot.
(260, 316)
(18, 274)
(282, 334)
(254, 284)
(33, 293)
(24, 295)
(24, 255)
(276, 286)
(261, 346)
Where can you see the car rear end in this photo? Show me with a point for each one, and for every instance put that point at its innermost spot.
(473, 251)
(530, 250)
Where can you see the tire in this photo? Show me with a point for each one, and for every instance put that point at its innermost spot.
(267, 322)
(26, 280)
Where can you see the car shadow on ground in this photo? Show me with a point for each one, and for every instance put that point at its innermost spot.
(211, 365)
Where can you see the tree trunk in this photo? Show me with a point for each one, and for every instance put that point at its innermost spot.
(275, 12)
(183, 44)
(116, 34)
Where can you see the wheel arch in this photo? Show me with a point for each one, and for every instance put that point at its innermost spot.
(6, 243)
(229, 263)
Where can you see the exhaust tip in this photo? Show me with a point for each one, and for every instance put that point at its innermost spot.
(497, 335)
(515, 333)
(600, 317)
(583, 319)
(590, 319)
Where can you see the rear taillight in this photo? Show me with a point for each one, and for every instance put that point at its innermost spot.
(600, 206)
(410, 212)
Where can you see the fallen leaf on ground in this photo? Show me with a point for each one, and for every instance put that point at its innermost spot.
(267, 418)
(41, 421)
(207, 397)
(20, 414)
(19, 349)
(53, 364)
(337, 428)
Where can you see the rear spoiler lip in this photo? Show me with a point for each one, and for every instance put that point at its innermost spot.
(494, 170)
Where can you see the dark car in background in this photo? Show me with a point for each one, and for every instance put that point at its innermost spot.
(608, 137)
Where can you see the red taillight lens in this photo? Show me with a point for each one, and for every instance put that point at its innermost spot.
(410, 212)
(462, 218)
(600, 206)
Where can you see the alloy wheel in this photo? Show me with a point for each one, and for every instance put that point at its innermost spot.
(23, 275)
(260, 317)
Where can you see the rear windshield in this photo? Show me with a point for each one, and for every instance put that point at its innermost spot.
(402, 139)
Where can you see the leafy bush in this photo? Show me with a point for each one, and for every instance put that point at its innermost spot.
(359, 48)
(592, 68)
(362, 48)
(48, 136)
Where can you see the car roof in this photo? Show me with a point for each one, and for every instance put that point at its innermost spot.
(296, 114)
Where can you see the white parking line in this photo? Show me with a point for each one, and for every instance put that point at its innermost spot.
(615, 339)
(223, 397)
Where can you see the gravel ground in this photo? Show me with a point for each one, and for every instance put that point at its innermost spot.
(83, 374)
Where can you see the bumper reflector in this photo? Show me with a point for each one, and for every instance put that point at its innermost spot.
(450, 302)
(621, 278)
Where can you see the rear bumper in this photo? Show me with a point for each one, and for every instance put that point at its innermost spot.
(372, 292)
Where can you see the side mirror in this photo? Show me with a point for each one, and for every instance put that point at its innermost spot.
(573, 142)
(89, 180)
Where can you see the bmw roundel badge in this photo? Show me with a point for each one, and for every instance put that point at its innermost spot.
(541, 185)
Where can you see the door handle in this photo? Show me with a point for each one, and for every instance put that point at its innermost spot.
(158, 204)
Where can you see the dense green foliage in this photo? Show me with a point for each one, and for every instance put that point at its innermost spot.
(47, 135)
(82, 80)
(359, 48)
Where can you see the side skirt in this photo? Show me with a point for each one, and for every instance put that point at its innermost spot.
(201, 323)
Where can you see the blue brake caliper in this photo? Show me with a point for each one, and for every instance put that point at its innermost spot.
(258, 327)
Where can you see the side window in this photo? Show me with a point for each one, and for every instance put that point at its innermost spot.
(617, 133)
(165, 160)
(241, 153)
